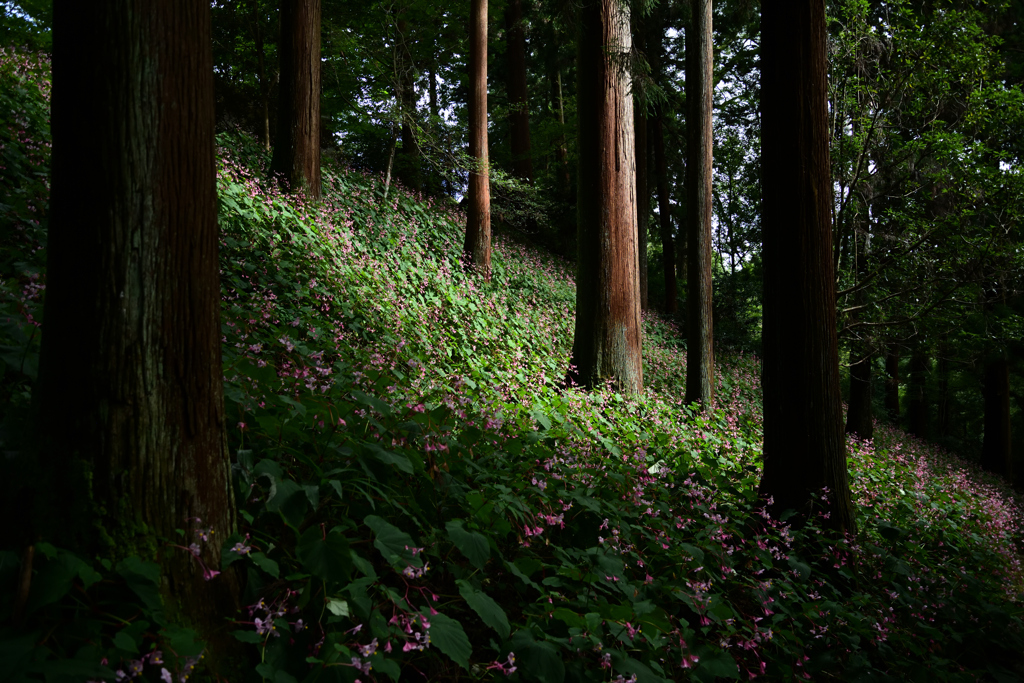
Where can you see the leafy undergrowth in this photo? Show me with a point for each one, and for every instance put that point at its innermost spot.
(418, 499)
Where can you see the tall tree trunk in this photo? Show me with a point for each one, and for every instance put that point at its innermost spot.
(261, 74)
(478, 228)
(518, 97)
(130, 396)
(917, 393)
(408, 166)
(296, 159)
(700, 349)
(643, 201)
(804, 449)
(668, 249)
(943, 405)
(892, 382)
(607, 340)
(997, 446)
(859, 418)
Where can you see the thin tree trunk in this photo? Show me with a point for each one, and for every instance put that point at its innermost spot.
(408, 167)
(943, 407)
(892, 383)
(607, 341)
(296, 159)
(478, 228)
(997, 446)
(643, 201)
(261, 74)
(917, 393)
(130, 396)
(804, 449)
(518, 97)
(700, 353)
(668, 249)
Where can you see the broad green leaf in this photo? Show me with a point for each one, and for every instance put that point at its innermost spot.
(326, 558)
(485, 606)
(393, 543)
(337, 607)
(266, 564)
(447, 635)
(471, 544)
(289, 499)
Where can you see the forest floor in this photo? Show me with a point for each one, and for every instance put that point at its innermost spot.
(377, 390)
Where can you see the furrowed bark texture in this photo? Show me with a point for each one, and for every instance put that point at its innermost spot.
(478, 227)
(296, 158)
(804, 449)
(518, 97)
(668, 247)
(700, 354)
(997, 446)
(130, 396)
(608, 333)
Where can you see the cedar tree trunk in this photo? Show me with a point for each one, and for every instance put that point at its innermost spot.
(892, 383)
(996, 449)
(130, 394)
(859, 419)
(518, 97)
(478, 227)
(700, 354)
(296, 160)
(917, 395)
(804, 449)
(607, 341)
(668, 248)
(643, 202)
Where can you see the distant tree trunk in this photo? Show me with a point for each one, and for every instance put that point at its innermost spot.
(643, 199)
(130, 396)
(700, 353)
(261, 74)
(408, 166)
(917, 394)
(859, 418)
(943, 407)
(997, 447)
(668, 249)
(804, 449)
(296, 159)
(478, 228)
(518, 97)
(892, 383)
(607, 340)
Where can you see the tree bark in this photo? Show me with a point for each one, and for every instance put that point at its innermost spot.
(668, 247)
(518, 97)
(804, 449)
(643, 201)
(477, 247)
(607, 339)
(130, 397)
(892, 383)
(700, 349)
(409, 163)
(997, 446)
(296, 159)
(917, 393)
(261, 74)
(859, 418)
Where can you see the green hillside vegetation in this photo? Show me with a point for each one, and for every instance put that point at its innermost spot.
(420, 497)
